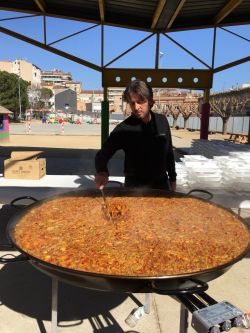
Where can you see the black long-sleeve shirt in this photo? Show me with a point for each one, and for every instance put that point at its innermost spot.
(148, 149)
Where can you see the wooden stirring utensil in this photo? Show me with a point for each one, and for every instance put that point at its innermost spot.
(105, 206)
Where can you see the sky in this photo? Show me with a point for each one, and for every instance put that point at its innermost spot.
(87, 45)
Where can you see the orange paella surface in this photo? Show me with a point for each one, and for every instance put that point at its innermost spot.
(138, 236)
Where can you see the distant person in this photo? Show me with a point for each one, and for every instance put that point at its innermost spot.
(146, 140)
(44, 120)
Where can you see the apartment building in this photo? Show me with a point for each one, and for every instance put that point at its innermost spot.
(91, 100)
(73, 85)
(57, 79)
(86, 98)
(26, 70)
(6, 65)
(160, 95)
(115, 99)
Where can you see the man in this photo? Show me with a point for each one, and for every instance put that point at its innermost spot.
(146, 140)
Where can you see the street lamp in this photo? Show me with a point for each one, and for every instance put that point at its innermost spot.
(66, 106)
(161, 55)
(92, 106)
(19, 93)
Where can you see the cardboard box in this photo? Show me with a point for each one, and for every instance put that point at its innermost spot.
(25, 165)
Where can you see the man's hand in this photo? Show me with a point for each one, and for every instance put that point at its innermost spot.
(173, 186)
(101, 179)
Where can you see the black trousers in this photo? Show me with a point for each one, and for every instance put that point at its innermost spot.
(161, 183)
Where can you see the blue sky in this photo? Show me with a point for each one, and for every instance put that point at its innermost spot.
(87, 46)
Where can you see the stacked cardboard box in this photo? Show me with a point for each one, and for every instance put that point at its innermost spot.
(25, 165)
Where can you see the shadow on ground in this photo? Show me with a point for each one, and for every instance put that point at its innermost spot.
(26, 290)
(62, 161)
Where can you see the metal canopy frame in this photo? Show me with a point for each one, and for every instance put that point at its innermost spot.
(160, 17)
(160, 78)
(158, 73)
(148, 15)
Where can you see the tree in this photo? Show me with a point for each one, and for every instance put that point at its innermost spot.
(187, 109)
(39, 98)
(46, 95)
(34, 96)
(9, 93)
(173, 110)
(159, 108)
(226, 106)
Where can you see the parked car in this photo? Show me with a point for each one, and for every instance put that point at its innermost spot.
(52, 121)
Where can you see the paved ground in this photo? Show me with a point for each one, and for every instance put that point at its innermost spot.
(90, 134)
(67, 129)
(79, 147)
(25, 293)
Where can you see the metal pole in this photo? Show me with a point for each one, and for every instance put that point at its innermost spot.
(161, 54)
(19, 97)
(147, 303)
(205, 111)
(183, 319)
(105, 117)
(54, 305)
(157, 51)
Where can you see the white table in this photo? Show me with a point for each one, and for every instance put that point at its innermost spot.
(47, 186)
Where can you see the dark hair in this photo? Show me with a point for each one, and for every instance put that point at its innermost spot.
(139, 88)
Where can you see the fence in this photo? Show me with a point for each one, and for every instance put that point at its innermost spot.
(235, 124)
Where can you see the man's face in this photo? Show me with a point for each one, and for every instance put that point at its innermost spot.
(140, 107)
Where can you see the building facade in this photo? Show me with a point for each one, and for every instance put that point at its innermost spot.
(86, 98)
(65, 100)
(6, 65)
(115, 99)
(76, 86)
(26, 70)
(57, 79)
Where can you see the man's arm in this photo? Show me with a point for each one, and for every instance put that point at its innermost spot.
(103, 156)
(170, 161)
(173, 186)
(101, 179)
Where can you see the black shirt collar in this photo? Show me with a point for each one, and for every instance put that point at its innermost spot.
(138, 121)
